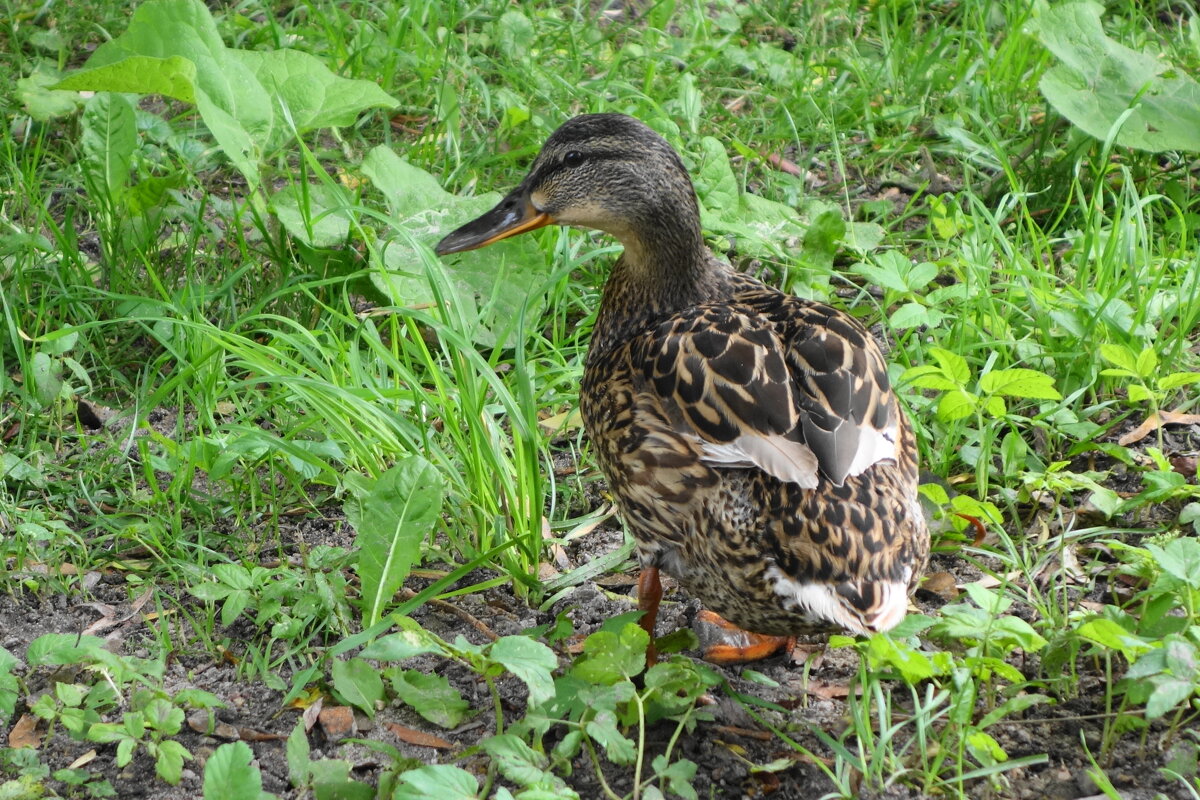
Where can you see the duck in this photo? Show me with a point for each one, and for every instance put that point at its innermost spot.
(751, 440)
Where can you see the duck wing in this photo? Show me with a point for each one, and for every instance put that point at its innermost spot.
(794, 389)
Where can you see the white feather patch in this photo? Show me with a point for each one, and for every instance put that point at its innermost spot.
(873, 446)
(782, 458)
(820, 601)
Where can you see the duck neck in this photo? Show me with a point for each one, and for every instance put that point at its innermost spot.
(665, 269)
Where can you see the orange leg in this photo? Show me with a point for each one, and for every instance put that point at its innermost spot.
(725, 643)
(649, 596)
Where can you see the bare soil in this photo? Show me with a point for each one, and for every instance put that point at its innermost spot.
(723, 748)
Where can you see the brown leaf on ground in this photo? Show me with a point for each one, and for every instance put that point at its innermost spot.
(1156, 421)
(811, 654)
(311, 713)
(201, 722)
(784, 165)
(557, 552)
(828, 691)
(419, 738)
(255, 735)
(733, 730)
(83, 760)
(943, 584)
(25, 733)
(1185, 465)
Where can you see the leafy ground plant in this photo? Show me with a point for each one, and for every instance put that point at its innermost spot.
(290, 506)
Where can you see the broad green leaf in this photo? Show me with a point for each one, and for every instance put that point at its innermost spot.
(920, 274)
(763, 227)
(952, 364)
(125, 748)
(1017, 632)
(992, 602)
(822, 238)
(955, 404)
(431, 696)
(62, 648)
(1168, 693)
(1120, 355)
(1099, 79)
(173, 76)
(358, 683)
(928, 376)
(1179, 558)
(603, 729)
(678, 775)
(164, 716)
(610, 657)
(1177, 379)
(1147, 362)
(397, 514)
(402, 645)
(437, 782)
(1107, 633)
(1107, 501)
(238, 144)
(887, 271)
(495, 285)
(297, 751)
(913, 665)
(47, 378)
(523, 766)
(230, 774)
(994, 406)
(1014, 705)
(253, 102)
(331, 781)
(168, 761)
(515, 35)
(531, 661)
(109, 137)
(909, 315)
(9, 687)
(41, 100)
(312, 95)
(1137, 393)
(1027, 383)
(233, 575)
(314, 214)
(985, 748)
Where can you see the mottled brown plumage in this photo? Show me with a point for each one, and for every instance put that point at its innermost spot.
(751, 439)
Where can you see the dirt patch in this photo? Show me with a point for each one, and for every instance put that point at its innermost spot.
(801, 701)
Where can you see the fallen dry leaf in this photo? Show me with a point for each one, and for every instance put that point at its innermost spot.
(942, 584)
(84, 759)
(1155, 421)
(419, 738)
(561, 562)
(24, 733)
(733, 730)
(1186, 465)
(311, 713)
(784, 165)
(827, 691)
(201, 722)
(811, 654)
(255, 735)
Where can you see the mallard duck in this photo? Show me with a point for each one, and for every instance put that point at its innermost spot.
(751, 439)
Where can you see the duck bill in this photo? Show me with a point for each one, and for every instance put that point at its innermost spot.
(514, 214)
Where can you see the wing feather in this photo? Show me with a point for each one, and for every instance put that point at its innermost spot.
(790, 387)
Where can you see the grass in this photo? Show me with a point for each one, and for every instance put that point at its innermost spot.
(270, 340)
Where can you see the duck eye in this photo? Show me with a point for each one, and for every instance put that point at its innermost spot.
(573, 159)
